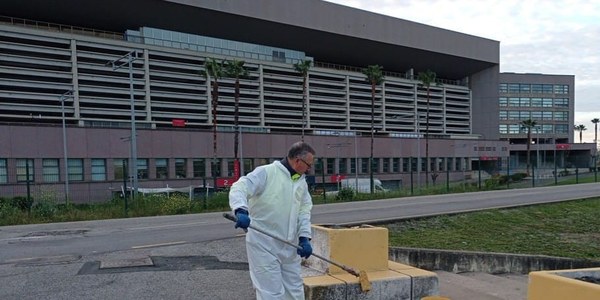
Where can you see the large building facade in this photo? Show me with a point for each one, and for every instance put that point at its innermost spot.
(93, 67)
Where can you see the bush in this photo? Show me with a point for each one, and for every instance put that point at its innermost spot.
(518, 176)
(345, 194)
(22, 203)
(45, 209)
(175, 205)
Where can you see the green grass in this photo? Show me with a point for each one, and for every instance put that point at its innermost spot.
(566, 229)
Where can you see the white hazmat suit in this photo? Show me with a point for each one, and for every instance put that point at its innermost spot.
(280, 206)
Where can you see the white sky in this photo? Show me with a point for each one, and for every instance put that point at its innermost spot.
(536, 36)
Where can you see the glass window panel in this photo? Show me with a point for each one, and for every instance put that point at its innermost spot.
(118, 168)
(180, 168)
(353, 166)
(75, 168)
(364, 165)
(513, 115)
(162, 168)
(515, 102)
(525, 102)
(513, 88)
(25, 165)
(3, 171)
(396, 165)
(98, 169)
(547, 89)
(50, 170)
(248, 165)
(503, 101)
(199, 166)
(536, 102)
(503, 128)
(547, 102)
(524, 115)
(536, 88)
(525, 88)
(503, 88)
(503, 115)
(343, 166)
(142, 168)
(330, 166)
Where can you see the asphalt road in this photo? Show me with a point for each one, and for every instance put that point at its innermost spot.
(197, 256)
(27, 242)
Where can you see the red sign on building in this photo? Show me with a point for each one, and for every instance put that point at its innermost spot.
(178, 123)
(225, 182)
(337, 177)
(563, 146)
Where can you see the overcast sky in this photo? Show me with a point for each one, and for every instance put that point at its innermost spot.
(536, 36)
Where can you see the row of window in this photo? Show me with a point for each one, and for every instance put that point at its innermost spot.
(540, 128)
(533, 102)
(534, 115)
(159, 168)
(535, 88)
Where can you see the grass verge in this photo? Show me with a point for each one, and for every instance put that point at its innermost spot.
(566, 229)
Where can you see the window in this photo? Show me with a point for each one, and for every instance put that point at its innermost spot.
(503, 115)
(396, 165)
(230, 167)
(376, 163)
(547, 102)
(353, 166)
(503, 101)
(561, 102)
(448, 163)
(364, 165)
(119, 168)
(199, 167)
(503, 88)
(98, 169)
(536, 115)
(561, 89)
(75, 168)
(547, 89)
(514, 115)
(536, 102)
(524, 88)
(560, 116)
(536, 88)
(405, 164)
(547, 115)
(514, 88)
(142, 168)
(248, 166)
(180, 168)
(525, 102)
(24, 168)
(162, 168)
(343, 165)
(514, 102)
(503, 128)
(524, 115)
(3, 171)
(330, 166)
(562, 128)
(386, 165)
(50, 170)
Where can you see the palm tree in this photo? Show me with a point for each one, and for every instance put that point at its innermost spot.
(427, 78)
(375, 77)
(302, 68)
(528, 125)
(214, 69)
(581, 129)
(596, 121)
(235, 69)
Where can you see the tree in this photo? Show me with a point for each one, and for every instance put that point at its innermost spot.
(214, 70)
(596, 121)
(374, 74)
(235, 69)
(528, 125)
(302, 68)
(581, 128)
(427, 78)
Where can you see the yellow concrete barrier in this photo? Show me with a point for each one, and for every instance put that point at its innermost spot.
(562, 284)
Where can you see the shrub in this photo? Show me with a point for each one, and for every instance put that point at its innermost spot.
(345, 194)
(176, 205)
(22, 203)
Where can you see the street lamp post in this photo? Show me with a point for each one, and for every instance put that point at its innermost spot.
(127, 60)
(63, 98)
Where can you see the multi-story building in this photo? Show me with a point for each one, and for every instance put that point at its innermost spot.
(549, 101)
(75, 78)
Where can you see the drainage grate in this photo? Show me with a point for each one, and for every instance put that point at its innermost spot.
(162, 263)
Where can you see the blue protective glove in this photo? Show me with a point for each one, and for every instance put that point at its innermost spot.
(243, 220)
(306, 250)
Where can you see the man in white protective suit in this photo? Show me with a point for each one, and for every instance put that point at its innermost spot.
(275, 198)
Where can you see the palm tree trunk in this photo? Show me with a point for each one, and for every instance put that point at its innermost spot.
(427, 143)
(372, 183)
(214, 111)
(303, 106)
(236, 139)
